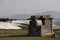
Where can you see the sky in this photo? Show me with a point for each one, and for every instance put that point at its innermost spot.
(12, 7)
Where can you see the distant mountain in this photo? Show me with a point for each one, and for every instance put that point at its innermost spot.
(21, 16)
(54, 14)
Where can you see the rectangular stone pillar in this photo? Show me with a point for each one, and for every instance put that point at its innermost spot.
(47, 27)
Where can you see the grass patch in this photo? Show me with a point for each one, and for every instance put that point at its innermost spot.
(20, 35)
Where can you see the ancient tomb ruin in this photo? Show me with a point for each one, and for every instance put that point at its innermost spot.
(42, 30)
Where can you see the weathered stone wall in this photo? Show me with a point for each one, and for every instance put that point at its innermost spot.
(45, 28)
(33, 29)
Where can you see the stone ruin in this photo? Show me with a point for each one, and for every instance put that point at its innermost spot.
(41, 30)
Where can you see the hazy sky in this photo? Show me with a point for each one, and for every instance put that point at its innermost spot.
(12, 7)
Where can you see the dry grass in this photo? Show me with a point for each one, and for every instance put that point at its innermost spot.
(21, 35)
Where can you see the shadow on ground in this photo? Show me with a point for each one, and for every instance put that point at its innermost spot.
(19, 36)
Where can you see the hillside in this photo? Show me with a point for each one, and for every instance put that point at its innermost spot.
(54, 14)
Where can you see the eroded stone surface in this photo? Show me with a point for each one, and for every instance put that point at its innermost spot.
(44, 29)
